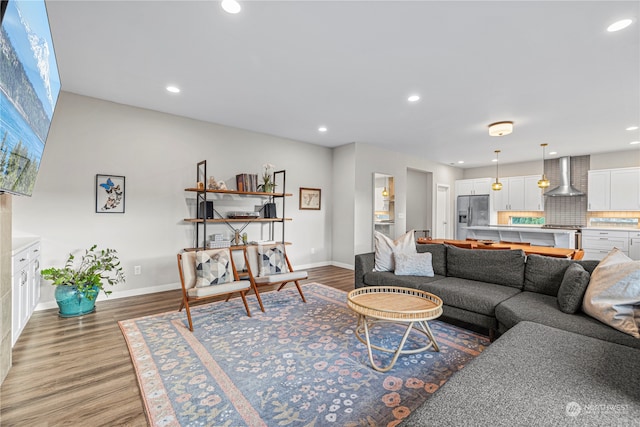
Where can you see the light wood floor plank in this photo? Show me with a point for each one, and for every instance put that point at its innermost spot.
(77, 371)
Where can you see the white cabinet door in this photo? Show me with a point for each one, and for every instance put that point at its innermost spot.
(533, 200)
(599, 190)
(464, 187)
(625, 189)
(501, 197)
(516, 193)
(482, 186)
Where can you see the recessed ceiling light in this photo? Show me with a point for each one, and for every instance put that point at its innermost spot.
(494, 160)
(413, 98)
(632, 128)
(460, 162)
(231, 6)
(619, 25)
(322, 129)
(553, 153)
(634, 142)
(173, 89)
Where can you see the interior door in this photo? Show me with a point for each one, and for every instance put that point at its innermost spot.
(443, 212)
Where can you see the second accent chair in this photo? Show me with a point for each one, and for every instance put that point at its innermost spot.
(269, 265)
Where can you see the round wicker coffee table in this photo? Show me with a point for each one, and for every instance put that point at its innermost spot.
(391, 304)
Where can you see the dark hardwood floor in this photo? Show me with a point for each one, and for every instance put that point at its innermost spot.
(77, 371)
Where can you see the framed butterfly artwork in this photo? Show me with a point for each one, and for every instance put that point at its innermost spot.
(109, 194)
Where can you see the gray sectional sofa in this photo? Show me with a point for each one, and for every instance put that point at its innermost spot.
(547, 368)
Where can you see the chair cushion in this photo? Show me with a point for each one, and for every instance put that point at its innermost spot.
(499, 267)
(272, 260)
(213, 268)
(282, 277)
(438, 253)
(544, 274)
(224, 288)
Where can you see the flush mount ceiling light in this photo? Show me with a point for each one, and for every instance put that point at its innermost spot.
(496, 186)
(619, 25)
(544, 182)
(500, 128)
(173, 89)
(231, 6)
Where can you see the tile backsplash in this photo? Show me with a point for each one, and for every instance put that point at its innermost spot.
(567, 210)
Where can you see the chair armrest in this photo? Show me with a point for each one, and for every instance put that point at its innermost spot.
(364, 263)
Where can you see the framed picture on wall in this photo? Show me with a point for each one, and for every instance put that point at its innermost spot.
(109, 194)
(310, 198)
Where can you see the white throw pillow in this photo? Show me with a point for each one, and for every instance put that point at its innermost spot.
(385, 247)
(213, 268)
(418, 264)
(613, 294)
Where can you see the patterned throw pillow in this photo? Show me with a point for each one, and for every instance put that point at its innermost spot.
(213, 269)
(271, 260)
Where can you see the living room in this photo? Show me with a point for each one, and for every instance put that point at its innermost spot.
(157, 150)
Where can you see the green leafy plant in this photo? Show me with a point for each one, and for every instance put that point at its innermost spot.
(96, 268)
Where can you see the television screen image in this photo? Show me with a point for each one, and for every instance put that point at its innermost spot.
(29, 88)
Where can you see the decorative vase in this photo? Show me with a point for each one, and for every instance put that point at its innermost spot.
(73, 302)
(267, 187)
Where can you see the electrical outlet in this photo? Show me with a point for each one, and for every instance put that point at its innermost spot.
(137, 270)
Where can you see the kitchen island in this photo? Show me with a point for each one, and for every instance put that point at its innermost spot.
(537, 236)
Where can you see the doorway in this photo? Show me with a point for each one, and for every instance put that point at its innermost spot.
(419, 200)
(443, 206)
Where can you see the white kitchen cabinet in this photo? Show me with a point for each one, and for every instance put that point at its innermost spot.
(519, 193)
(614, 190)
(473, 187)
(25, 279)
(634, 245)
(625, 189)
(598, 243)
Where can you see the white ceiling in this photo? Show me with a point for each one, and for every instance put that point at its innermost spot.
(285, 68)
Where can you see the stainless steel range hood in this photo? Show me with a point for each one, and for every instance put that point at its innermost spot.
(565, 188)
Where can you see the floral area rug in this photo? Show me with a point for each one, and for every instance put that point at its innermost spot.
(298, 364)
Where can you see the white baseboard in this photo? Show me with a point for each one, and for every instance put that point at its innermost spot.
(342, 265)
(118, 294)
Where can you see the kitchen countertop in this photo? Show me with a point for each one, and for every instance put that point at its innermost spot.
(612, 228)
(20, 243)
(521, 229)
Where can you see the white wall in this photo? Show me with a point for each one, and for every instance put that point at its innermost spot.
(157, 153)
(618, 159)
(343, 206)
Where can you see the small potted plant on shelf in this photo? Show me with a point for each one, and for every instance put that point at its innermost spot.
(267, 179)
(78, 287)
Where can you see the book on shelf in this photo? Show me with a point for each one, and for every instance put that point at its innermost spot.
(247, 182)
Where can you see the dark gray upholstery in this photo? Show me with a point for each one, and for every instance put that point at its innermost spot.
(530, 375)
(438, 256)
(387, 278)
(544, 274)
(474, 318)
(543, 309)
(470, 295)
(574, 285)
(502, 267)
(364, 263)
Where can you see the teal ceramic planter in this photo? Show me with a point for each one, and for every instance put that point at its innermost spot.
(75, 303)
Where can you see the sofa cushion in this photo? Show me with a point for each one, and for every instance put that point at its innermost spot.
(413, 264)
(535, 375)
(471, 295)
(539, 308)
(438, 256)
(504, 267)
(571, 292)
(613, 294)
(385, 248)
(388, 278)
(544, 274)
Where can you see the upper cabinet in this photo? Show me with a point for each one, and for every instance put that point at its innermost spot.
(614, 190)
(519, 193)
(473, 187)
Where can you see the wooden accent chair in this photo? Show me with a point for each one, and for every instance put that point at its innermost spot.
(220, 264)
(578, 254)
(269, 265)
(459, 244)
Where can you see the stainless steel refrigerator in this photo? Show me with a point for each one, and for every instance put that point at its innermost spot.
(472, 210)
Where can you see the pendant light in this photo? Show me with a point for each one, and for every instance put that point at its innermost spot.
(496, 186)
(385, 193)
(544, 182)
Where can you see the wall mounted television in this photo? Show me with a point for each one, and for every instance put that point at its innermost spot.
(29, 88)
